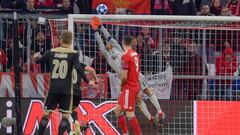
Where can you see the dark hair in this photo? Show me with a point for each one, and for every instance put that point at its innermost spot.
(127, 40)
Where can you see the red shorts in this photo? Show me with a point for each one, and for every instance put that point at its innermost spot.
(127, 99)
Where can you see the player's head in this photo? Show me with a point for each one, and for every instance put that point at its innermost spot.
(66, 38)
(127, 42)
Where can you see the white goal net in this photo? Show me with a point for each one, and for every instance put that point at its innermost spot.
(190, 62)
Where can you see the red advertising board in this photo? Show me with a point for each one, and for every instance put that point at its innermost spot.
(136, 6)
(217, 118)
(96, 112)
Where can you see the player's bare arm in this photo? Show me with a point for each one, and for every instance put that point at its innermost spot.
(93, 72)
(80, 71)
(124, 76)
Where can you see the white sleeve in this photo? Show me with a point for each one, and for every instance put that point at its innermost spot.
(102, 47)
(110, 39)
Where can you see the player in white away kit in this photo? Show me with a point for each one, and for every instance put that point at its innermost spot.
(113, 53)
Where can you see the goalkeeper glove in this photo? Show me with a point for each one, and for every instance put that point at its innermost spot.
(95, 23)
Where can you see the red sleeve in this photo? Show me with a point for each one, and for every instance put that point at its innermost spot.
(234, 65)
(3, 58)
(125, 62)
(228, 6)
(218, 65)
(38, 68)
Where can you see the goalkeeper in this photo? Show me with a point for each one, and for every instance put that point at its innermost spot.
(113, 53)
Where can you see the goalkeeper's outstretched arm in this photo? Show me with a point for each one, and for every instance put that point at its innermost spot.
(102, 47)
(110, 39)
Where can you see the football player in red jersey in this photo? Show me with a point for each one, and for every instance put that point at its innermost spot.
(129, 88)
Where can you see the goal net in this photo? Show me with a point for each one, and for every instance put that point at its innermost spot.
(191, 64)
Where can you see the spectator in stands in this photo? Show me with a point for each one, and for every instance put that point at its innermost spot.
(234, 7)
(44, 3)
(199, 3)
(193, 66)
(66, 8)
(161, 7)
(29, 8)
(3, 60)
(185, 59)
(205, 11)
(20, 65)
(42, 45)
(216, 7)
(9, 52)
(225, 12)
(183, 7)
(10, 4)
(145, 47)
(85, 6)
(226, 65)
(34, 68)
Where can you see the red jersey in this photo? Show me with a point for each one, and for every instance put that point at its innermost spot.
(234, 8)
(131, 62)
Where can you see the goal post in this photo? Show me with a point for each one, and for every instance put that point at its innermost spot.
(157, 17)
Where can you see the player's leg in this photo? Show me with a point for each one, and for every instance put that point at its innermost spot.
(49, 105)
(148, 91)
(65, 106)
(140, 101)
(154, 101)
(76, 100)
(130, 107)
(121, 119)
(64, 124)
(143, 107)
(120, 115)
(133, 122)
(43, 123)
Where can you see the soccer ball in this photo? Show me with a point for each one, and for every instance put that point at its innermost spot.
(102, 9)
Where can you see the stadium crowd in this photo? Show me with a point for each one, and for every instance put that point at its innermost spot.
(158, 7)
(183, 53)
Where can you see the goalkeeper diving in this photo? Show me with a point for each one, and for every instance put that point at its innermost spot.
(113, 53)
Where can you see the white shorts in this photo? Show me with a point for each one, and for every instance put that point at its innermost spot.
(143, 82)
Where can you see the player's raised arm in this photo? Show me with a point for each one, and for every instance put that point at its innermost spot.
(102, 47)
(110, 39)
(97, 24)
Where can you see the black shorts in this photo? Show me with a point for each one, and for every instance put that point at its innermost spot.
(77, 97)
(61, 101)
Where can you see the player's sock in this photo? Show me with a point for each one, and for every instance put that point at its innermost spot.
(123, 124)
(144, 109)
(42, 125)
(155, 102)
(135, 126)
(74, 116)
(64, 126)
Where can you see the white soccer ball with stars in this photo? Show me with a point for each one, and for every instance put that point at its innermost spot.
(102, 9)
